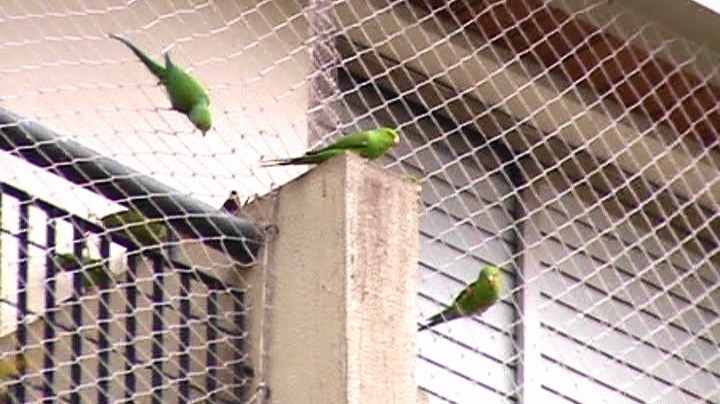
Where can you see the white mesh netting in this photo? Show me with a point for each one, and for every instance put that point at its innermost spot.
(572, 143)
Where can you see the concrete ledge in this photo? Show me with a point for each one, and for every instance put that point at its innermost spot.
(341, 277)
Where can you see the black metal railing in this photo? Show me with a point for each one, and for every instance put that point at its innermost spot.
(83, 166)
(105, 332)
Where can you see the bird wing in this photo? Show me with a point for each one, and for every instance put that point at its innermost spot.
(464, 301)
(353, 141)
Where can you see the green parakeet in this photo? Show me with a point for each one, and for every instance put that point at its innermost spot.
(186, 93)
(474, 299)
(13, 366)
(134, 226)
(370, 144)
(92, 269)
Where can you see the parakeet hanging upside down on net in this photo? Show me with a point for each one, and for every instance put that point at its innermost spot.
(370, 144)
(474, 299)
(136, 227)
(186, 93)
(92, 269)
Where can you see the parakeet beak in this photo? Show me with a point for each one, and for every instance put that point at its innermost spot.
(396, 141)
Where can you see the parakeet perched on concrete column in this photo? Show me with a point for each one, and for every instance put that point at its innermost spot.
(474, 299)
(370, 144)
(186, 93)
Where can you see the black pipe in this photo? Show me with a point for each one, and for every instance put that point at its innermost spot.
(71, 160)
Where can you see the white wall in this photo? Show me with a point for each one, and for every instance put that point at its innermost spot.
(624, 315)
(60, 68)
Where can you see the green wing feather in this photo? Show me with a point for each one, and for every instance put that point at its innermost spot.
(353, 141)
(184, 89)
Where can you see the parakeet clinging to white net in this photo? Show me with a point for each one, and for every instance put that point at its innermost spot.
(186, 93)
(474, 299)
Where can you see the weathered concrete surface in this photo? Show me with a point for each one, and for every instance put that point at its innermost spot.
(341, 287)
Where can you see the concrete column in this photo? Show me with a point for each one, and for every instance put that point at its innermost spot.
(341, 276)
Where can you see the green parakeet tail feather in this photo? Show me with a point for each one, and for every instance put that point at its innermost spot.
(155, 68)
(442, 317)
(288, 162)
(168, 61)
(309, 158)
(278, 162)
